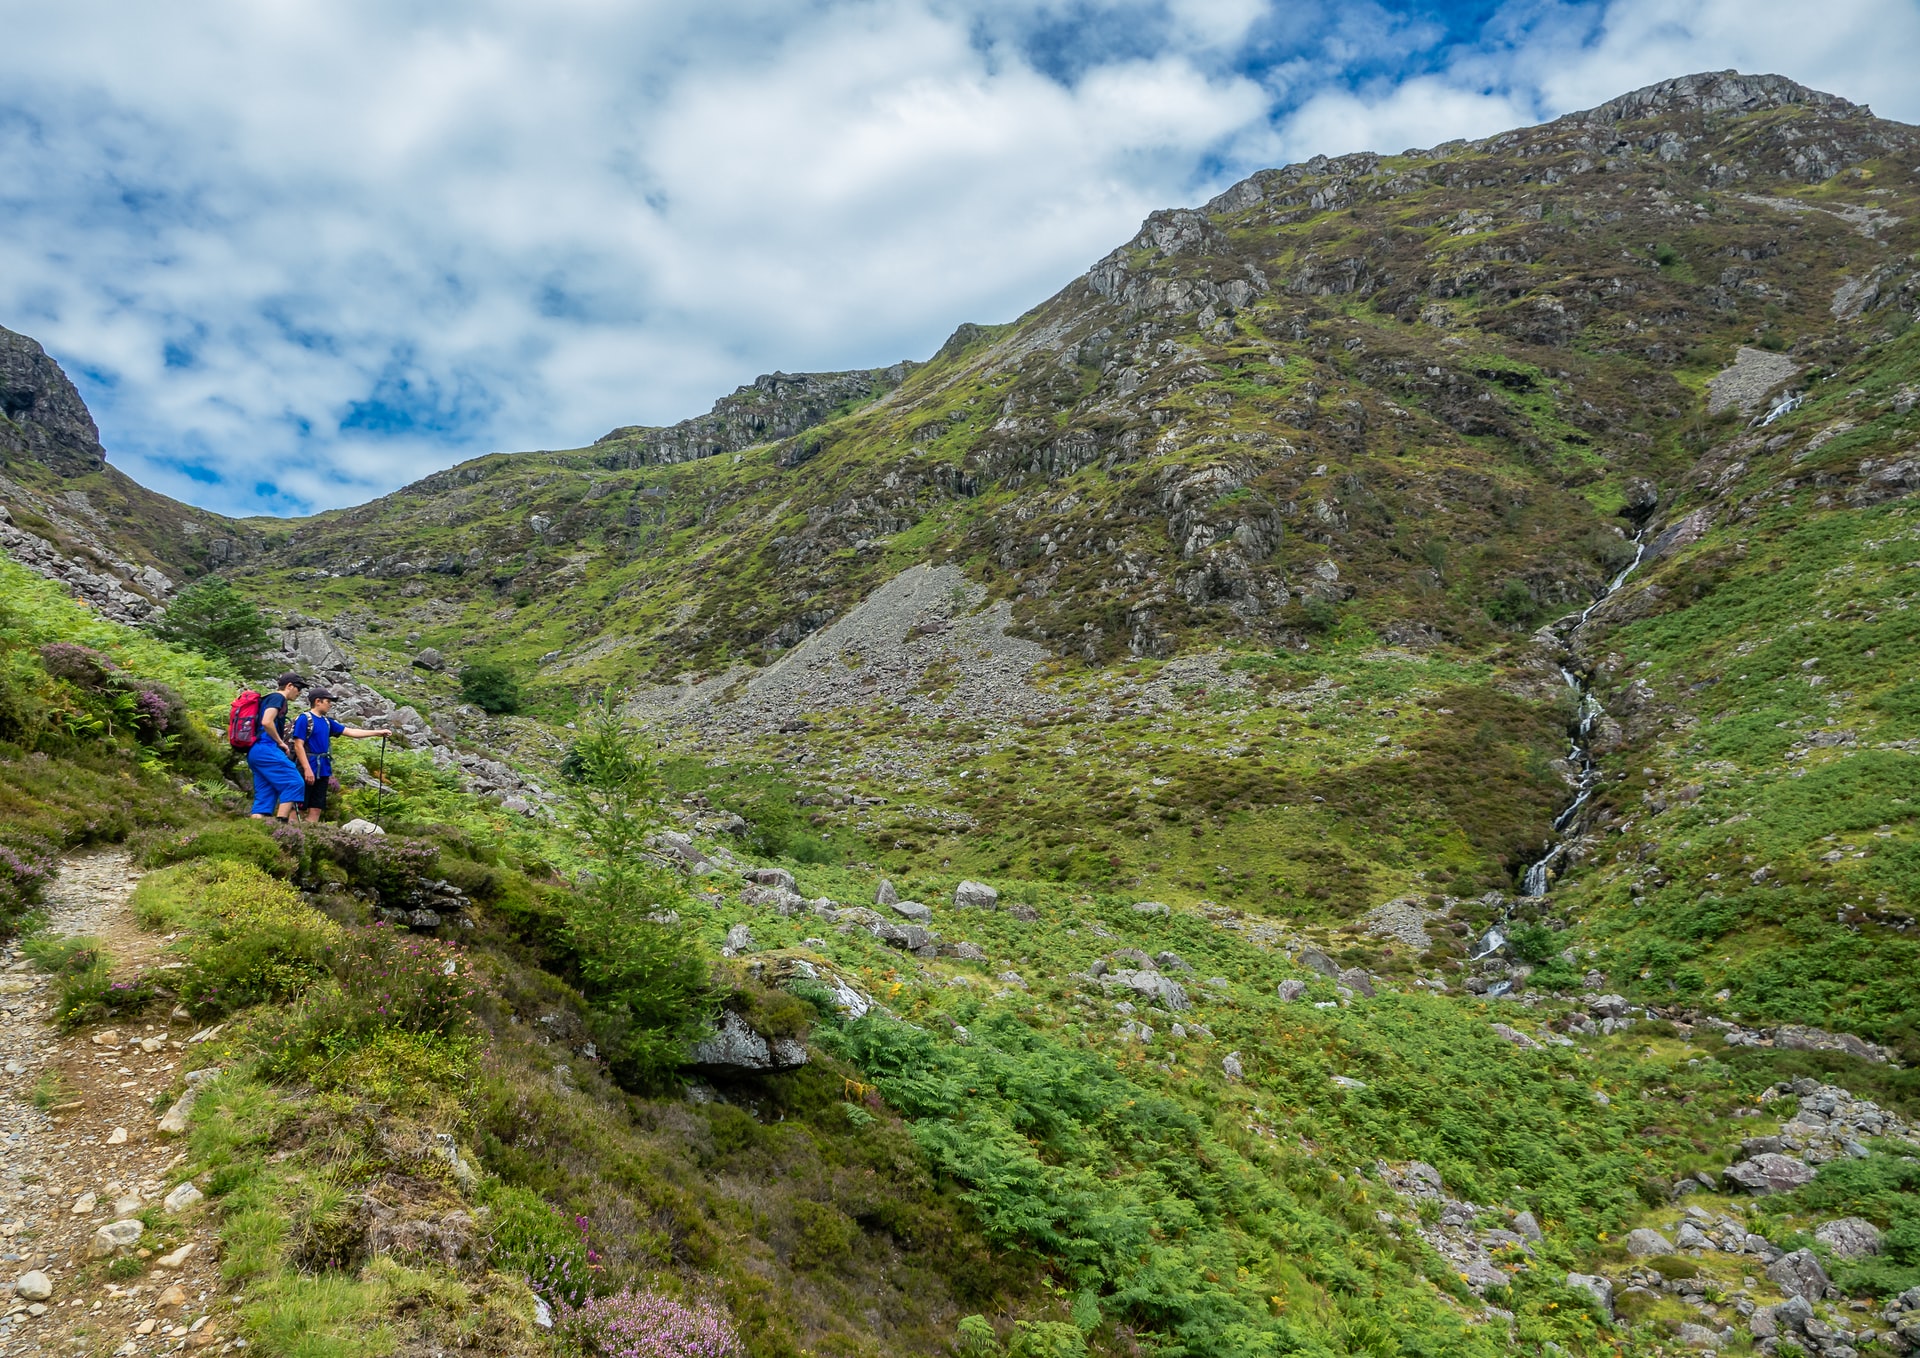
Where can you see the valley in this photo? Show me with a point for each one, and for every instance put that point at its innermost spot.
(1345, 784)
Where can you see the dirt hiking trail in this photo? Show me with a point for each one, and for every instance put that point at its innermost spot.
(105, 1251)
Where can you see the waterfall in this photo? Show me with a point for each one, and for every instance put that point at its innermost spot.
(1539, 874)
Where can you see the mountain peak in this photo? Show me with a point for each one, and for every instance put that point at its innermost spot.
(1714, 92)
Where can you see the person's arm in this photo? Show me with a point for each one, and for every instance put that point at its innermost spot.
(270, 718)
(300, 754)
(361, 733)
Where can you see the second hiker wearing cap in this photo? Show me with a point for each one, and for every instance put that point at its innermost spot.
(313, 734)
(276, 780)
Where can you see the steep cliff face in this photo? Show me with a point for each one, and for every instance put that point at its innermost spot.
(41, 415)
(774, 406)
(67, 514)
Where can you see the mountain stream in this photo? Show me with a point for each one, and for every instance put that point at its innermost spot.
(1540, 873)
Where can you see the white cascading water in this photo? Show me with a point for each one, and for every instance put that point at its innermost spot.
(1539, 875)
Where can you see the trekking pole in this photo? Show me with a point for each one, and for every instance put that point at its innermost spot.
(381, 797)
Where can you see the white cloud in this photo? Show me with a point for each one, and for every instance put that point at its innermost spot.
(255, 230)
(524, 225)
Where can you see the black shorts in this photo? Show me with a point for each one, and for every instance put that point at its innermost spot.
(316, 798)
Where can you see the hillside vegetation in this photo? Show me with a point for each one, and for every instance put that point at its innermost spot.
(1024, 854)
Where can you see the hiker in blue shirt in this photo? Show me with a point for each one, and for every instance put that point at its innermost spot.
(313, 734)
(277, 788)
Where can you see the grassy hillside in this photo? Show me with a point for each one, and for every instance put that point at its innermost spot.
(1225, 615)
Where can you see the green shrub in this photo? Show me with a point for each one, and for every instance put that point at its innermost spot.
(84, 989)
(527, 1236)
(255, 939)
(1514, 605)
(393, 867)
(1534, 943)
(648, 980)
(247, 841)
(213, 618)
(396, 1014)
(491, 687)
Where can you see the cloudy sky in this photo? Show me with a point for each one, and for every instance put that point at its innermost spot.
(298, 253)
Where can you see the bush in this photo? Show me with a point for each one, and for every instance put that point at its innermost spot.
(213, 618)
(393, 867)
(245, 841)
(1534, 943)
(632, 1324)
(85, 991)
(648, 981)
(1514, 606)
(527, 1236)
(491, 687)
(384, 983)
(256, 940)
(24, 874)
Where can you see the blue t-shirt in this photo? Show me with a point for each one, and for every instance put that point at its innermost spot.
(275, 699)
(318, 733)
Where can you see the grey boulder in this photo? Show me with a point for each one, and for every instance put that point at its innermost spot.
(115, 1236)
(735, 1046)
(1643, 1242)
(975, 895)
(912, 910)
(1849, 1237)
(1799, 1275)
(1770, 1173)
(1315, 960)
(1600, 1289)
(1292, 990)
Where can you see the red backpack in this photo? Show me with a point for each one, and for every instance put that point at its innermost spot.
(243, 720)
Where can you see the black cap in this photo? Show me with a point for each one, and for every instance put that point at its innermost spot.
(318, 695)
(290, 678)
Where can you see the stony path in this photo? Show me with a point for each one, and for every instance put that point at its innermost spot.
(80, 1150)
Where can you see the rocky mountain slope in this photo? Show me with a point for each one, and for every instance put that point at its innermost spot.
(68, 514)
(1403, 672)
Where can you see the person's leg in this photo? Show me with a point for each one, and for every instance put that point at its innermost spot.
(264, 789)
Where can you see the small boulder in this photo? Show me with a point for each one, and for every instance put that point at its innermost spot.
(182, 1197)
(1149, 908)
(1697, 1336)
(775, 877)
(1315, 960)
(886, 895)
(975, 895)
(735, 1045)
(912, 910)
(1849, 1237)
(739, 940)
(430, 659)
(1691, 1237)
(1799, 1275)
(1357, 979)
(177, 1259)
(1644, 1242)
(1600, 1289)
(1515, 1036)
(1292, 990)
(85, 1203)
(126, 1205)
(1770, 1173)
(1527, 1227)
(33, 1286)
(115, 1236)
(357, 826)
(1231, 1067)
